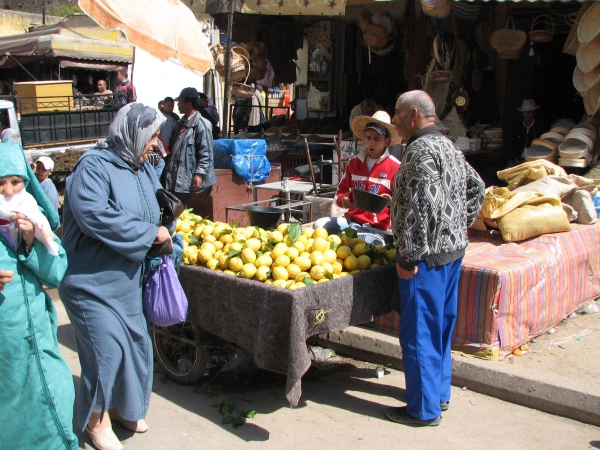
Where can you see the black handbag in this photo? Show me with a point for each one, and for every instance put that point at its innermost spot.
(166, 248)
(170, 206)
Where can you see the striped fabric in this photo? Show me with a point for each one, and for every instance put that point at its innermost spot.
(510, 293)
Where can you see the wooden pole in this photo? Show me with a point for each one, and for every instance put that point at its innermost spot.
(227, 93)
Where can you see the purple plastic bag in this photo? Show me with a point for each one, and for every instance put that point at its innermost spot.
(165, 303)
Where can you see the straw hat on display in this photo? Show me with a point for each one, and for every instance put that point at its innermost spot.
(588, 55)
(528, 105)
(583, 81)
(589, 25)
(381, 120)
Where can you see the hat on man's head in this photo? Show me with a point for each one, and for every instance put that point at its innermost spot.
(528, 105)
(380, 122)
(47, 162)
(188, 92)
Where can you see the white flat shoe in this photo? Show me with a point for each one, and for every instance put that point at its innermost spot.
(105, 439)
(137, 427)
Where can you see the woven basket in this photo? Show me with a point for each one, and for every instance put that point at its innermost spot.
(542, 29)
(591, 100)
(588, 56)
(239, 65)
(363, 19)
(573, 20)
(482, 36)
(441, 76)
(589, 25)
(508, 42)
(384, 20)
(376, 36)
(436, 8)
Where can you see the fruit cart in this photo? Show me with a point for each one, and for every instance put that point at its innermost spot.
(270, 322)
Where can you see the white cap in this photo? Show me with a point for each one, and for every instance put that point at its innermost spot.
(46, 162)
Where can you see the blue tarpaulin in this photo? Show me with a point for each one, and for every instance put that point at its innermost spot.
(248, 157)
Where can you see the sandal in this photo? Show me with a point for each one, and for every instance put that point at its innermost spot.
(444, 406)
(401, 415)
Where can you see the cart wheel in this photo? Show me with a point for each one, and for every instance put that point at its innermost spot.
(180, 352)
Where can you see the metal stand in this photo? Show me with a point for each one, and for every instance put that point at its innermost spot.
(302, 209)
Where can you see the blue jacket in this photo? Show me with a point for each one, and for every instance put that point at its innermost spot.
(193, 155)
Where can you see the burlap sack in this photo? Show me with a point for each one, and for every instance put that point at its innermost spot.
(530, 171)
(581, 201)
(501, 201)
(570, 212)
(555, 185)
(529, 221)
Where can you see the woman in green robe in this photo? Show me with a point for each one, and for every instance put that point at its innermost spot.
(36, 385)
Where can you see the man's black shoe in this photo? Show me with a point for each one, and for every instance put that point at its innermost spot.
(401, 415)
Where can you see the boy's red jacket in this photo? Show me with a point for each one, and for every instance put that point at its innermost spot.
(379, 181)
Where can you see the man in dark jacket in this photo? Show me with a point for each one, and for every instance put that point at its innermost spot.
(525, 132)
(202, 109)
(189, 169)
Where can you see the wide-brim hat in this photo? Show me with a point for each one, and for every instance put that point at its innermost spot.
(528, 105)
(589, 24)
(380, 118)
(583, 81)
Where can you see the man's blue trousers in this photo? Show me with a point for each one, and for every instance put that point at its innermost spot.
(429, 304)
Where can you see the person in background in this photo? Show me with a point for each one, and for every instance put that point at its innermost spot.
(437, 195)
(525, 132)
(263, 98)
(10, 136)
(207, 103)
(36, 386)
(372, 170)
(43, 168)
(111, 219)
(367, 107)
(189, 167)
(103, 93)
(202, 104)
(241, 113)
(257, 116)
(125, 91)
(166, 131)
(161, 104)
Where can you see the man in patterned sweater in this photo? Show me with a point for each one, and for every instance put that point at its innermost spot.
(437, 196)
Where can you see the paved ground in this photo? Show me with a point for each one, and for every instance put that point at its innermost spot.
(341, 407)
(576, 358)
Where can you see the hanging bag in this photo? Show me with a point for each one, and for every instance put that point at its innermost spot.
(165, 303)
(509, 41)
(170, 206)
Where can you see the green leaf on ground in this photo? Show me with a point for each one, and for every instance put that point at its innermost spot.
(248, 414)
(238, 422)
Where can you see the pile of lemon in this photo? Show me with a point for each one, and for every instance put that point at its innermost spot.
(288, 257)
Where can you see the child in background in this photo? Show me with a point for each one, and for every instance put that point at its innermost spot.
(43, 168)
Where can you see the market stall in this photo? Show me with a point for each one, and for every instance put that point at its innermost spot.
(510, 293)
(273, 323)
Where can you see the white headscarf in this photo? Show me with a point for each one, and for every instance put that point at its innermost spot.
(131, 130)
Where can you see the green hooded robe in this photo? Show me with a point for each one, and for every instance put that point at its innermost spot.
(36, 385)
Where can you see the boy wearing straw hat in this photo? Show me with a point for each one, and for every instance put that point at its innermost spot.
(372, 170)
